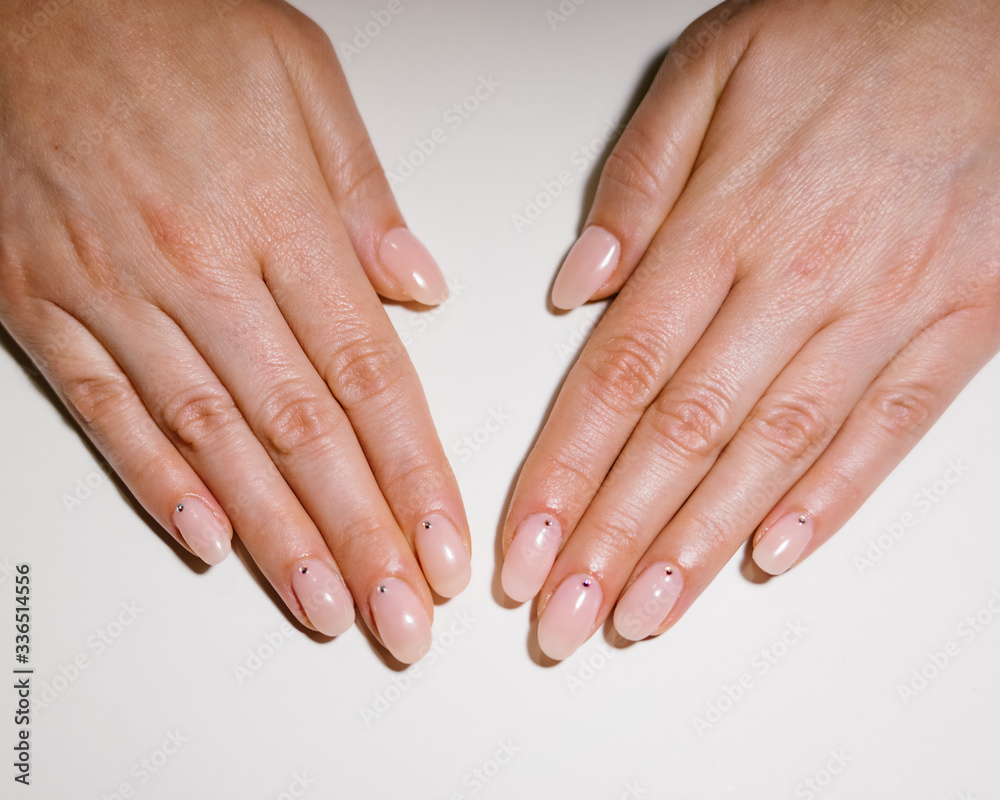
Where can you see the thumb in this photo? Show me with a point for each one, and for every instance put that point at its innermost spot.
(652, 160)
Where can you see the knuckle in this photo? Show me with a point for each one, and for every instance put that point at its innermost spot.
(902, 410)
(692, 420)
(359, 175)
(714, 534)
(791, 428)
(417, 483)
(295, 419)
(358, 539)
(366, 369)
(100, 397)
(198, 416)
(641, 165)
(626, 371)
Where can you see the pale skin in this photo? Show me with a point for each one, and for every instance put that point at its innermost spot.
(806, 204)
(189, 234)
(808, 209)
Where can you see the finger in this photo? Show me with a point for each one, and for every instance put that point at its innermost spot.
(305, 433)
(397, 264)
(370, 374)
(676, 443)
(109, 410)
(651, 162)
(637, 346)
(777, 442)
(892, 416)
(199, 416)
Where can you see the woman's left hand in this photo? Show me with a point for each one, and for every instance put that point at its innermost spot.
(802, 218)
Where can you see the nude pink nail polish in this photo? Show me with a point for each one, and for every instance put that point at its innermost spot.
(646, 603)
(202, 530)
(569, 617)
(587, 268)
(401, 620)
(443, 555)
(783, 543)
(530, 556)
(323, 596)
(408, 261)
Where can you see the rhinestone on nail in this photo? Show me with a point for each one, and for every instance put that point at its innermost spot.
(802, 519)
(180, 506)
(427, 525)
(548, 523)
(668, 571)
(381, 589)
(303, 570)
(586, 583)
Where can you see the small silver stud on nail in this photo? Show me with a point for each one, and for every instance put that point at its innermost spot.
(303, 570)
(548, 523)
(586, 583)
(381, 589)
(667, 571)
(427, 525)
(802, 519)
(180, 506)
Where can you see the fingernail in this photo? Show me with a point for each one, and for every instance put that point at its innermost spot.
(202, 530)
(646, 603)
(324, 597)
(443, 556)
(586, 269)
(530, 556)
(783, 543)
(401, 620)
(569, 617)
(408, 261)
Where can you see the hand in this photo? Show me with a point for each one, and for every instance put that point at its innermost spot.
(802, 217)
(193, 229)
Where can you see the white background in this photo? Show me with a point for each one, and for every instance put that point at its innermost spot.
(263, 709)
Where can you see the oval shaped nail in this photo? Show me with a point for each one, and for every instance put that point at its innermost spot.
(402, 623)
(647, 602)
(323, 596)
(443, 555)
(569, 617)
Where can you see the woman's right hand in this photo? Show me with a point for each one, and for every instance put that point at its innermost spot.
(193, 230)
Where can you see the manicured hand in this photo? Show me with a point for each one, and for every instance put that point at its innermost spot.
(802, 221)
(193, 230)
